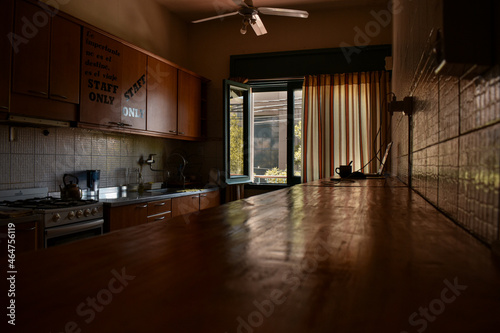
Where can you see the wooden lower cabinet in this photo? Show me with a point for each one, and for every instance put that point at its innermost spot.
(126, 216)
(185, 205)
(160, 210)
(209, 200)
(27, 237)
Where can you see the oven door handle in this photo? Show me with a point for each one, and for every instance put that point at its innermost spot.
(72, 228)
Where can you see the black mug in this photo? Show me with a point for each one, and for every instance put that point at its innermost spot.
(344, 171)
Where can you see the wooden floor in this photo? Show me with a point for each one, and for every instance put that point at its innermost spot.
(363, 256)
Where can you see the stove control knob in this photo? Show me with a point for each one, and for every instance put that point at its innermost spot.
(56, 217)
(95, 210)
(86, 212)
(71, 215)
(79, 213)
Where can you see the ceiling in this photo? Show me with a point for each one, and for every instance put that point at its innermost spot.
(190, 10)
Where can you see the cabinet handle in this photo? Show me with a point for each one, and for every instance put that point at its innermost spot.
(160, 204)
(172, 131)
(26, 230)
(203, 195)
(118, 124)
(37, 92)
(160, 218)
(142, 206)
(58, 96)
(4, 107)
(181, 133)
(196, 197)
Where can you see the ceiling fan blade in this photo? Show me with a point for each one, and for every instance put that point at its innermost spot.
(258, 25)
(283, 12)
(244, 3)
(215, 17)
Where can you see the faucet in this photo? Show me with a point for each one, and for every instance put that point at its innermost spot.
(182, 166)
(150, 162)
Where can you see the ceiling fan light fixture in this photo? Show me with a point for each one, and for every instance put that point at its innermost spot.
(251, 16)
(244, 27)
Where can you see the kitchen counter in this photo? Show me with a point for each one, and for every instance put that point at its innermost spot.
(115, 198)
(351, 256)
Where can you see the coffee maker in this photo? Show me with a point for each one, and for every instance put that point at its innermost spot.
(93, 178)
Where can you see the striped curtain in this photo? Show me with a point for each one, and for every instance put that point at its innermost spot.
(345, 119)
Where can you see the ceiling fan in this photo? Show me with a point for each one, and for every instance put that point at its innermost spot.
(251, 16)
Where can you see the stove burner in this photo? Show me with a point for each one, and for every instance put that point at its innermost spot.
(47, 203)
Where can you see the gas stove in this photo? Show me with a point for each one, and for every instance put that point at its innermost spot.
(47, 203)
(63, 220)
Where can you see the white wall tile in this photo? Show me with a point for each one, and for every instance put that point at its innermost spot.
(42, 160)
(113, 145)
(45, 144)
(83, 143)
(64, 164)
(4, 168)
(65, 141)
(45, 168)
(99, 144)
(22, 168)
(24, 141)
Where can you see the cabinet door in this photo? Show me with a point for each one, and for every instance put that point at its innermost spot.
(189, 105)
(160, 207)
(65, 61)
(162, 97)
(160, 217)
(209, 200)
(5, 53)
(100, 101)
(185, 205)
(133, 88)
(127, 216)
(31, 58)
(26, 237)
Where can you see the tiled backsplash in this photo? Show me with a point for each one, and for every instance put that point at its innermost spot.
(451, 154)
(34, 159)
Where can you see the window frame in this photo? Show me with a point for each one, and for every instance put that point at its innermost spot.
(288, 85)
(227, 85)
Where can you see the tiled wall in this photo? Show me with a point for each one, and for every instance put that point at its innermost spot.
(33, 159)
(449, 150)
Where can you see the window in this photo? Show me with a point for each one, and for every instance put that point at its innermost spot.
(263, 127)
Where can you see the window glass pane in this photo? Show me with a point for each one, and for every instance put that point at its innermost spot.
(269, 137)
(297, 130)
(236, 131)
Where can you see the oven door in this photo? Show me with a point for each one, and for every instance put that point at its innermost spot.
(72, 232)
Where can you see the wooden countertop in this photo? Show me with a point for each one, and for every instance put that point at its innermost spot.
(363, 256)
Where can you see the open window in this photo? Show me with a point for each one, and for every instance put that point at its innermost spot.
(263, 127)
(236, 132)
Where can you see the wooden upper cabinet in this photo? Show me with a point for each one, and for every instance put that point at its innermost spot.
(134, 89)
(65, 61)
(6, 26)
(31, 53)
(189, 105)
(162, 97)
(101, 80)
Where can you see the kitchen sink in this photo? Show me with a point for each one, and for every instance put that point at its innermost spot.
(173, 190)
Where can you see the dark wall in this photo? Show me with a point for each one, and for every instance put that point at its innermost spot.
(449, 149)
